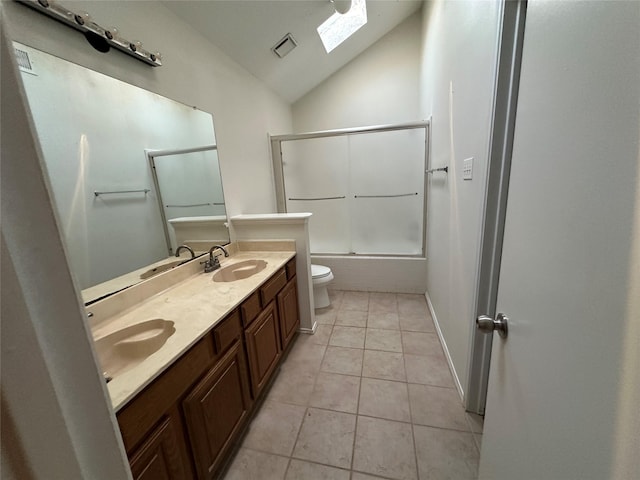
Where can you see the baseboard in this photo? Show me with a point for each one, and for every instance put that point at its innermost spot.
(456, 379)
(309, 331)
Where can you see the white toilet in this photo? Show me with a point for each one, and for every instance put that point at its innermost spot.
(321, 277)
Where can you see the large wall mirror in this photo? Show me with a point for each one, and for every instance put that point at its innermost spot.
(133, 174)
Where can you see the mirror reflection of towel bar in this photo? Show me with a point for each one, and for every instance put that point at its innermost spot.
(318, 198)
(145, 190)
(386, 196)
(441, 169)
(194, 205)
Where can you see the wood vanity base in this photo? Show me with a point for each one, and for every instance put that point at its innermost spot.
(186, 423)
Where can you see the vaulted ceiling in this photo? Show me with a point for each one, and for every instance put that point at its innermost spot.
(247, 29)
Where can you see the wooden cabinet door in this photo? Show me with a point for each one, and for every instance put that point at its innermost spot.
(288, 312)
(263, 347)
(159, 457)
(216, 409)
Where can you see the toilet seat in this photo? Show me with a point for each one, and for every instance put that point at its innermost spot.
(319, 271)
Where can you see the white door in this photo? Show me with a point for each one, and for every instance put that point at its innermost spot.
(557, 383)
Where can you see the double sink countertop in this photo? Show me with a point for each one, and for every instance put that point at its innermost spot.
(195, 305)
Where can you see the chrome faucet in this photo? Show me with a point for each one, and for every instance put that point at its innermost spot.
(213, 263)
(187, 247)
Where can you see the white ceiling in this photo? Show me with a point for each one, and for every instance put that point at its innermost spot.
(247, 29)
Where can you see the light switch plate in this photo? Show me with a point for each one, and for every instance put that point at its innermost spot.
(467, 169)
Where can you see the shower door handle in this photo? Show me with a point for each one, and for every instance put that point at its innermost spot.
(487, 324)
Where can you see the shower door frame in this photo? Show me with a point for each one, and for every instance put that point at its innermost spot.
(151, 157)
(275, 143)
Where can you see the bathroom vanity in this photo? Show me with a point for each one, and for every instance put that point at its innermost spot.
(182, 409)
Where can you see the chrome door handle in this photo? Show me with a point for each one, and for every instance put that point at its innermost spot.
(487, 324)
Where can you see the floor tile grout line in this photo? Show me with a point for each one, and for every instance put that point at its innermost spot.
(286, 470)
(385, 329)
(384, 379)
(315, 380)
(450, 429)
(415, 451)
(358, 413)
(413, 430)
(476, 442)
(355, 431)
(264, 451)
(315, 462)
(304, 416)
(434, 386)
(372, 475)
(413, 434)
(326, 409)
(253, 449)
(295, 443)
(381, 350)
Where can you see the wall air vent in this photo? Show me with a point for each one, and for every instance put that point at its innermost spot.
(24, 61)
(284, 46)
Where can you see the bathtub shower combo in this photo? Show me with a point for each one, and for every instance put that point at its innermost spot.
(365, 188)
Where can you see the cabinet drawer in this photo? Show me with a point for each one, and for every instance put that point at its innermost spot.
(291, 268)
(270, 289)
(250, 309)
(226, 332)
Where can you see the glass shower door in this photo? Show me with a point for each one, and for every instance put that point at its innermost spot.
(316, 178)
(387, 181)
(366, 190)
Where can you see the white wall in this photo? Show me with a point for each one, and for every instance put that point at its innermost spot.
(378, 87)
(456, 88)
(194, 72)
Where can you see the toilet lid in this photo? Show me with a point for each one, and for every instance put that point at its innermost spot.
(319, 271)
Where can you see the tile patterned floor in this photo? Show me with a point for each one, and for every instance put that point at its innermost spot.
(369, 396)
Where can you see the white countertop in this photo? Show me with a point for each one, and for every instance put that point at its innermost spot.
(195, 305)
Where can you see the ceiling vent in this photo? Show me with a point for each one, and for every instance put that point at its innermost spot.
(284, 46)
(24, 61)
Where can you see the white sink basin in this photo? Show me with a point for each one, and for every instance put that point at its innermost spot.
(239, 271)
(127, 347)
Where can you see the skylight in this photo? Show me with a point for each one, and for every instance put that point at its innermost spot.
(339, 26)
